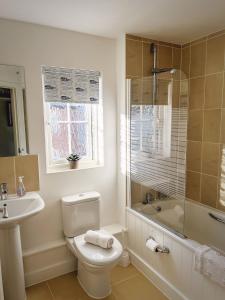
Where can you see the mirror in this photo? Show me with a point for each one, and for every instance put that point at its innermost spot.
(13, 129)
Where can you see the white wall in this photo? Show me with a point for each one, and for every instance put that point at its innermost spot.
(121, 129)
(31, 46)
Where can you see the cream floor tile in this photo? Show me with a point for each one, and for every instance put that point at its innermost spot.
(136, 288)
(39, 292)
(66, 287)
(120, 274)
(128, 284)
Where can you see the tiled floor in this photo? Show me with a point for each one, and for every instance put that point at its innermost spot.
(128, 284)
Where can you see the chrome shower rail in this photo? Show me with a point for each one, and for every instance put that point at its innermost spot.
(218, 219)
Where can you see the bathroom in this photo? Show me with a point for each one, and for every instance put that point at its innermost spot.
(151, 147)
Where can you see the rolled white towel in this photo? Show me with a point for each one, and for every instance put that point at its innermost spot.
(99, 238)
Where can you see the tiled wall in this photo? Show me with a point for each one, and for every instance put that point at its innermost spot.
(12, 167)
(204, 67)
(200, 84)
(139, 63)
(139, 60)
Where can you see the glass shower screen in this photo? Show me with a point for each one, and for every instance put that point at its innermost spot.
(158, 134)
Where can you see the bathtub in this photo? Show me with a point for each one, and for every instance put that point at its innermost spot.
(169, 213)
(187, 220)
(174, 273)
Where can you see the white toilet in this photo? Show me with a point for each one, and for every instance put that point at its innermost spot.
(80, 213)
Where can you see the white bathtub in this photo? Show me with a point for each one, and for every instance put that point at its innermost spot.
(194, 222)
(173, 273)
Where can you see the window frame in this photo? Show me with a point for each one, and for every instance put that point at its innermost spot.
(95, 131)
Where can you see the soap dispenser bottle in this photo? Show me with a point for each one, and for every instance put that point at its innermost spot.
(21, 188)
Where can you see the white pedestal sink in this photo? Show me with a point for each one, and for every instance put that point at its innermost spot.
(19, 209)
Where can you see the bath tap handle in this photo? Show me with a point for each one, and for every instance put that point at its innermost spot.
(4, 211)
(218, 219)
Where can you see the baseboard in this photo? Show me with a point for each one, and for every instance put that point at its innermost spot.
(51, 271)
(158, 280)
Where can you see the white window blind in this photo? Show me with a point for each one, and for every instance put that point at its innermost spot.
(70, 85)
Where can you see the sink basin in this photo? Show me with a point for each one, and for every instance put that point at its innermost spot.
(11, 260)
(20, 209)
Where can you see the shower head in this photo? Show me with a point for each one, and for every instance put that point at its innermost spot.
(172, 71)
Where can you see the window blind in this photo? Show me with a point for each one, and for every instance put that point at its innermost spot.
(70, 85)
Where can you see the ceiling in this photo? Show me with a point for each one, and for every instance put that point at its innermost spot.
(169, 20)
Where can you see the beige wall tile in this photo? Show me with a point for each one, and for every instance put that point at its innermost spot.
(215, 55)
(147, 91)
(197, 89)
(200, 40)
(194, 156)
(136, 91)
(193, 185)
(135, 192)
(211, 158)
(7, 173)
(176, 94)
(213, 90)
(198, 54)
(212, 121)
(222, 136)
(27, 166)
(133, 58)
(185, 62)
(195, 123)
(165, 57)
(209, 186)
(162, 90)
(184, 93)
(177, 58)
(177, 63)
(215, 34)
(147, 60)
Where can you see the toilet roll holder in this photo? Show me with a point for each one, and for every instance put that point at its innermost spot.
(159, 249)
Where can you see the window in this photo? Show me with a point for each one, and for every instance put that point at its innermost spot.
(73, 121)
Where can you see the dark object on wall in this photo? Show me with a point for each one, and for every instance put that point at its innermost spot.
(9, 114)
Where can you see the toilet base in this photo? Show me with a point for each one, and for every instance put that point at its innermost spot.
(96, 283)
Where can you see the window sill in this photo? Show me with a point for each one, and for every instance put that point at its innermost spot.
(66, 168)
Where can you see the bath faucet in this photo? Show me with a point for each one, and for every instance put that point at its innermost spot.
(4, 211)
(3, 191)
(149, 198)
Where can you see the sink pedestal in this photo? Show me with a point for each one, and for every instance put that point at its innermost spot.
(12, 263)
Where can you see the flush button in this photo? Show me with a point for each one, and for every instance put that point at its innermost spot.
(81, 195)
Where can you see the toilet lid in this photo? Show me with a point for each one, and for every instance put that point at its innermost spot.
(96, 255)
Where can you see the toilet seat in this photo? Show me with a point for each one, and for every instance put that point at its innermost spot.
(96, 255)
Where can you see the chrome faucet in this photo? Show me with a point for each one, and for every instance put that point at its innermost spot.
(149, 198)
(3, 191)
(4, 211)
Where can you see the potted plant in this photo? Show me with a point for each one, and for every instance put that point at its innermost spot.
(73, 160)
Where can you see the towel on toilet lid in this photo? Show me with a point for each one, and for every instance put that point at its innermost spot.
(99, 238)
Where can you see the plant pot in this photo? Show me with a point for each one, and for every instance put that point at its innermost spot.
(73, 164)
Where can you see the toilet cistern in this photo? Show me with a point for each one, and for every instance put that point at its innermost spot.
(81, 212)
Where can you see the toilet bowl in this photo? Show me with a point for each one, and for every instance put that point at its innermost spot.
(81, 213)
(95, 265)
